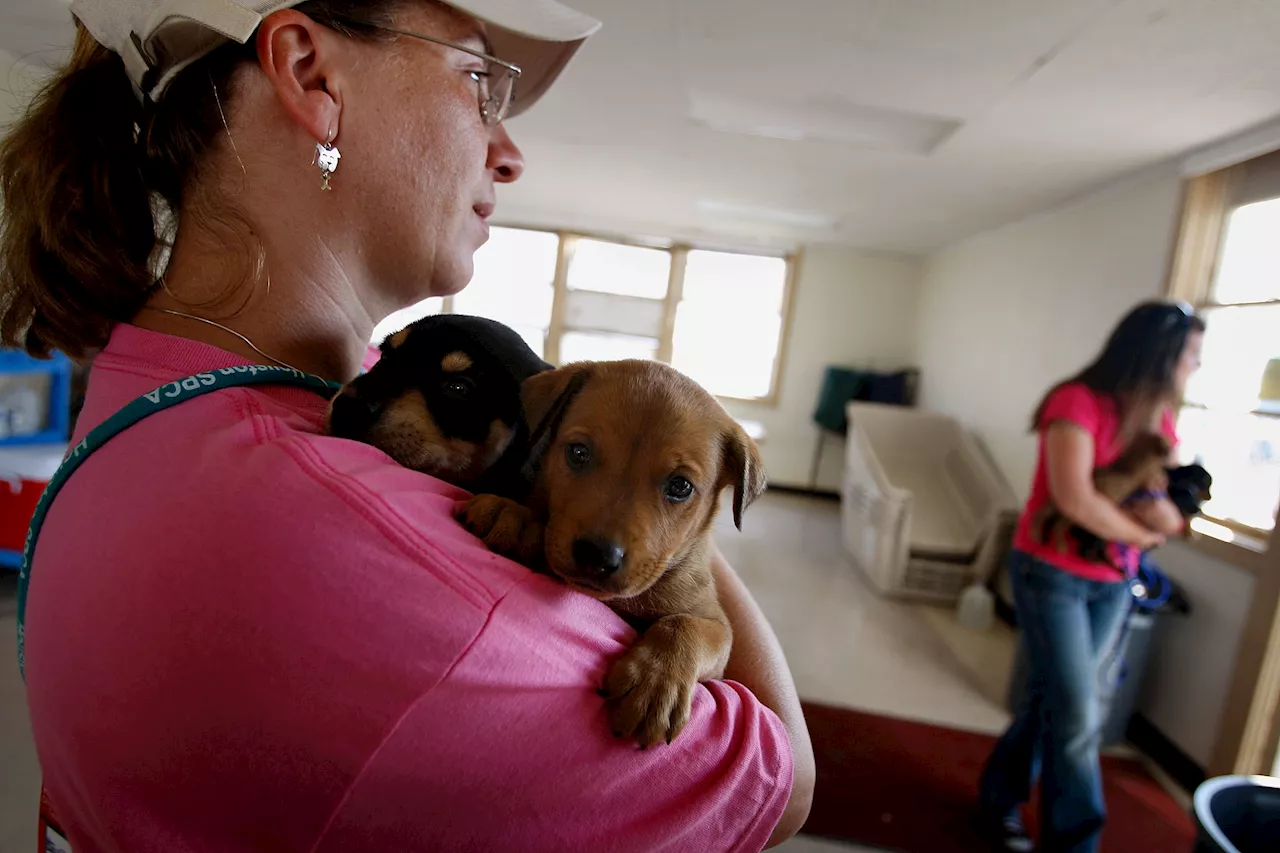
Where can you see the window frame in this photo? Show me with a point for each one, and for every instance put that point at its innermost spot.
(1248, 736)
(675, 289)
(1207, 204)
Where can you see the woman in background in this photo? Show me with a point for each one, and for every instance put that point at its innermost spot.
(1069, 608)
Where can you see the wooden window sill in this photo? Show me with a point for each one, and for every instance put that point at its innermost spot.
(1245, 551)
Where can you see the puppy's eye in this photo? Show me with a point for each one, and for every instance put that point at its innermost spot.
(578, 456)
(459, 388)
(678, 490)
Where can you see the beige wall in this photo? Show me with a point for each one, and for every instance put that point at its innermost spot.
(849, 307)
(1191, 671)
(1005, 314)
(17, 81)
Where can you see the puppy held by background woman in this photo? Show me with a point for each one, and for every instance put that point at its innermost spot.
(1141, 467)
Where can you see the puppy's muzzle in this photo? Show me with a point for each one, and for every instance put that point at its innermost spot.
(351, 416)
(597, 559)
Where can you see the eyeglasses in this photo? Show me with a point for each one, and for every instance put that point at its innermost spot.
(495, 85)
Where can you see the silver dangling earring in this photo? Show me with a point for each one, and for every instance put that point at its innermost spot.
(327, 156)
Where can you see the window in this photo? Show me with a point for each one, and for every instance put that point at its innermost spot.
(397, 321)
(598, 346)
(729, 322)
(1227, 264)
(619, 269)
(615, 301)
(1231, 421)
(513, 284)
(716, 316)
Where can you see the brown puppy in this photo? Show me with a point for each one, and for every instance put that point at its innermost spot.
(631, 459)
(1141, 466)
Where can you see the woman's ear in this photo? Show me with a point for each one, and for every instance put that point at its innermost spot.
(301, 61)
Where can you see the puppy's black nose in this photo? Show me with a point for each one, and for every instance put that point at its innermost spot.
(598, 555)
(350, 416)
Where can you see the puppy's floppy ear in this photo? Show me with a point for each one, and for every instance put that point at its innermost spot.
(545, 398)
(395, 340)
(741, 467)
(545, 395)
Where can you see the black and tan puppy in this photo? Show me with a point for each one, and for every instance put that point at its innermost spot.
(444, 399)
(1189, 489)
(630, 458)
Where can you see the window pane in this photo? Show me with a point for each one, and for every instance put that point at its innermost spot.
(513, 280)
(607, 312)
(397, 321)
(1250, 267)
(1242, 452)
(752, 279)
(729, 322)
(1238, 343)
(728, 351)
(594, 346)
(615, 268)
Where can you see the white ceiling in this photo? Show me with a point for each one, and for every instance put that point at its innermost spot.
(920, 121)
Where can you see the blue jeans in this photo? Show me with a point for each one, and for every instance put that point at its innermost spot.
(1070, 626)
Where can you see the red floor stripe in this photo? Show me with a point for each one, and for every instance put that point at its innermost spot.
(912, 787)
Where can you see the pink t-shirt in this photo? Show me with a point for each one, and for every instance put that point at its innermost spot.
(1096, 414)
(244, 635)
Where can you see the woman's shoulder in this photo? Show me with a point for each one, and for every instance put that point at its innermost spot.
(1077, 403)
(243, 482)
(1078, 391)
(347, 501)
(245, 476)
(254, 521)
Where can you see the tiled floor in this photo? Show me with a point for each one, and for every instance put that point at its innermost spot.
(846, 646)
(849, 646)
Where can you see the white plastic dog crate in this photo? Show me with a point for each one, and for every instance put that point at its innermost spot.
(924, 509)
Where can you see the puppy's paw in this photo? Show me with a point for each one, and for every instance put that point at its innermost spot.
(507, 528)
(650, 694)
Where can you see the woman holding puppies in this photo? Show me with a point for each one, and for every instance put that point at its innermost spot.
(1069, 607)
(243, 634)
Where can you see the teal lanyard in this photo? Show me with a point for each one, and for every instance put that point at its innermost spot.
(148, 404)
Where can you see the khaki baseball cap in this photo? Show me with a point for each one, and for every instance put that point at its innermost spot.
(158, 38)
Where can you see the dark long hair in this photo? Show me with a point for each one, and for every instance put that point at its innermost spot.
(1136, 366)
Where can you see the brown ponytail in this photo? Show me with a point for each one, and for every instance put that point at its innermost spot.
(77, 230)
(85, 169)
